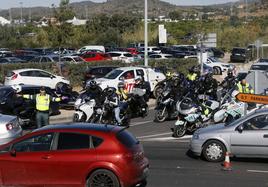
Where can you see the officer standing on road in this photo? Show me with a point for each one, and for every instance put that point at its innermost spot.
(42, 106)
(244, 87)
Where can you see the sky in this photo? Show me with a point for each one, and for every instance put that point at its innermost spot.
(5, 4)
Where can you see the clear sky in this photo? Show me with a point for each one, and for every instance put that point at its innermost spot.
(5, 4)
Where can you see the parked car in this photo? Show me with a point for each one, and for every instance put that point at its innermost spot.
(122, 56)
(262, 60)
(8, 98)
(128, 75)
(34, 77)
(218, 66)
(161, 56)
(74, 154)
(240, 55)
(95, 56)
(244, 137)
(97, 72)
(96, 48)
(151, 49)
(46, 58)
(216, 52)
(72, 59)
(9, 128)
(261, 66)
(11, 60)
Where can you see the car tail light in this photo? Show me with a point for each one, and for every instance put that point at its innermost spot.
(9, 126)
(14, 76)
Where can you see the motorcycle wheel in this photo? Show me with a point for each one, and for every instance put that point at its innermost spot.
(179, 131)
(159, 117)
(76, 118)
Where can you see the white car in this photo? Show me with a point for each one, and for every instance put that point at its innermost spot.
(72, 59)
(161, 56)
(151, 49)
(9, 128)
(218, 66)
(35, 77)
(121, 55)
(128, 75)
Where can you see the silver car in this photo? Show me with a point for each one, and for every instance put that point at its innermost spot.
(245, 137)
(9, 128)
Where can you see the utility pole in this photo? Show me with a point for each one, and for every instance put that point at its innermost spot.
(246, 11)
(145, 32)
(21, 4)
(10, 15)
(30, 15)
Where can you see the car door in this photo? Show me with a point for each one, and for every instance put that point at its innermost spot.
(28, 163)
(72, 156)
(27, 78)
(252, 138)
(44, 79)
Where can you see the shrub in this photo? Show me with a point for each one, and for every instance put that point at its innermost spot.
(75, 72)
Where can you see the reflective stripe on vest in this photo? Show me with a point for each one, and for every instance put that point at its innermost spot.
(42, 102)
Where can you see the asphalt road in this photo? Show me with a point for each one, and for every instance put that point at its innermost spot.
(172, 166)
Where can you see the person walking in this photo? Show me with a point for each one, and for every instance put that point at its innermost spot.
(42, 106)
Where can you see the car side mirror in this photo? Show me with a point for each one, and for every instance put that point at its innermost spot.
(13, 153)
(240, 128)
(52, 77)
(121, 78)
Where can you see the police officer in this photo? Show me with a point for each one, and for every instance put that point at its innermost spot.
(42, 106)
(244, 87)
(193, 73)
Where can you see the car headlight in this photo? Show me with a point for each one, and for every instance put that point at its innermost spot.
(195, 136)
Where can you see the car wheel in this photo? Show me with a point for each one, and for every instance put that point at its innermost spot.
(102, 177)
(214, 151)
(179, 131)
(160, 117)
(216, 71)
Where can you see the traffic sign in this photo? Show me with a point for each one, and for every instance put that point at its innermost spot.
(252, 98)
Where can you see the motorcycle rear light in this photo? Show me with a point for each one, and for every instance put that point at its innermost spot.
(9, 126)
(14, 76)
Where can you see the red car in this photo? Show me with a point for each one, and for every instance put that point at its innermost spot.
(95, 56)
(133, 51)
(74, 155)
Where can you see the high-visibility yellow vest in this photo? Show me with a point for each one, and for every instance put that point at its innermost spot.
(122, 94)
(244, 89)
(191, 77)
(42, 102)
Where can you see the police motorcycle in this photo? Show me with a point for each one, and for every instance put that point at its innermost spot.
(135, 107)
(105, 113)
(193, 116)
(84, 108)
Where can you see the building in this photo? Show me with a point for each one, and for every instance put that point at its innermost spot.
(4, 21)
(76, 21)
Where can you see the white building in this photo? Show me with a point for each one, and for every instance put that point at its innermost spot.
(4, 21)
(76, 21)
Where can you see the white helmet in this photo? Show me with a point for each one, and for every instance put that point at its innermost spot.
(235, 93)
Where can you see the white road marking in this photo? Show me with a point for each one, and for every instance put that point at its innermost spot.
(155, 135)
(140, 123)
(178, 167)
(257, 171)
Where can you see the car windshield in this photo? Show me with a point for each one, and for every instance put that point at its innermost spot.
(237, 50)
(235, 122)
(213, 59)
(113, 74)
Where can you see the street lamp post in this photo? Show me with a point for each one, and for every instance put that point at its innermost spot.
(145, 32)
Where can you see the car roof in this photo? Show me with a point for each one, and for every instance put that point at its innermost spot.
(81, 126)
(130, 68)
(27, 69)
(121, 52)
(260, 63)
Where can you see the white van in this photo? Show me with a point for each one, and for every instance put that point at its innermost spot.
(97, 48)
